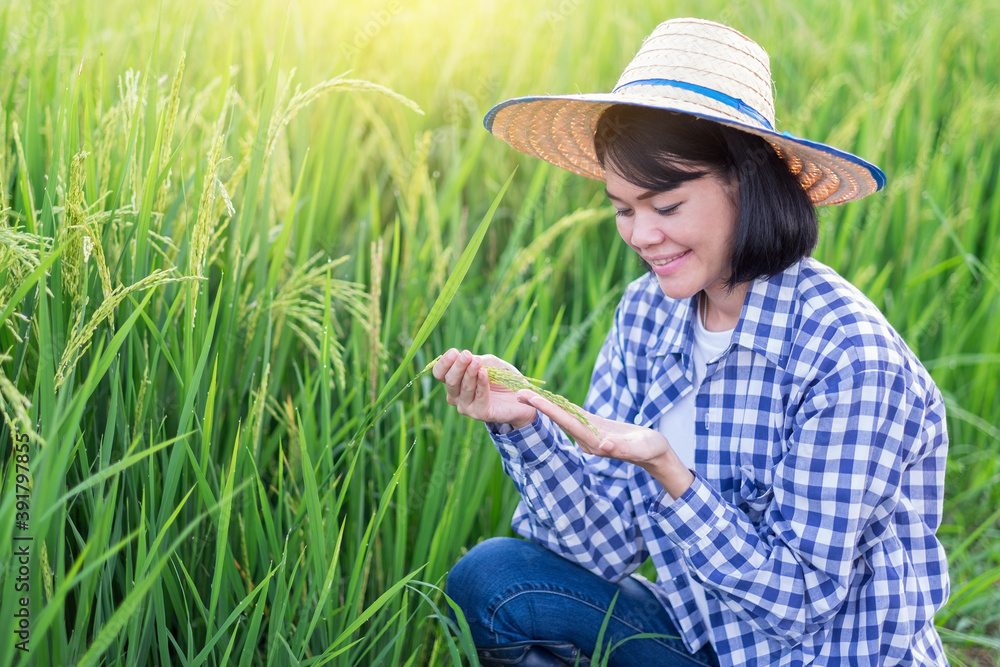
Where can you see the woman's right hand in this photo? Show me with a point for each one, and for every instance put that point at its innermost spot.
(471, 392)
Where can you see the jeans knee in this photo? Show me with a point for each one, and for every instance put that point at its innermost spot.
(478, 577)
(475, 572)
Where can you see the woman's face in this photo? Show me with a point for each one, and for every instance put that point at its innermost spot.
(684, 236)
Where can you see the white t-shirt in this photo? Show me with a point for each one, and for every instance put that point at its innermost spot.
(677, 423)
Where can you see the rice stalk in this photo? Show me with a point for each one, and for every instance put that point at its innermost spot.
(516, 382)
(541, 243)
(279, 176)
(414, 183)
(92, 245)
(19, 248)
(202, 234)
(19, 256)
(258, 402)
(133, 104)
(107, 140)
(30, 203)
(511, 284)
(3, 159)
(506, 297)
(17, 403)
(301, 296)
(140, 400)
(302, 99)
(245, 554)
(205, 221)
(71, 235)
(375, 318)
(246, 150)
(194, 112)
(173, 104)
(46, 572)
(80, 341)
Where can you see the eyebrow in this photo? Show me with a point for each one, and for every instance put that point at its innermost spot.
(645, 195)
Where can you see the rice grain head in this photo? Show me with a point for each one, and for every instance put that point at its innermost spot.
(71, 234)
(201, 235)
(17, 403)
(173, 103)
(516, 381)
(82, 335)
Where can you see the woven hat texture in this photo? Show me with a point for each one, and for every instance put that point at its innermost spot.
(690, 66)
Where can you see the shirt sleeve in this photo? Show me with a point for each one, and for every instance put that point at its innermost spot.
(576, 504)
(836, 488)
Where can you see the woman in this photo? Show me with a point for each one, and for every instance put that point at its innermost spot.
(765, 436)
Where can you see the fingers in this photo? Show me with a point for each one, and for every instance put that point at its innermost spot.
(453, 378)
(454, 365)
(444, 364)
(639, 446)
(625, 442)
(573, 427)
(460, 372)
(471, 378)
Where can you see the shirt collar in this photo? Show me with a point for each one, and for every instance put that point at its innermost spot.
(765, 324)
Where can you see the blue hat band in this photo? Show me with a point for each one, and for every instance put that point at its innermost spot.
(729, 101)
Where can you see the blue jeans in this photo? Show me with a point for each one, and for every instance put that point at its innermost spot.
(512, 590)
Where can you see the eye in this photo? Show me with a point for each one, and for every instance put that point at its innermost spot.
(622, 213)
(668, 210)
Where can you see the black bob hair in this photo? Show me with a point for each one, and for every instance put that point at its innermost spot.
(659, 150)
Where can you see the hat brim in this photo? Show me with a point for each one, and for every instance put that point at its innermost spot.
(560, 129)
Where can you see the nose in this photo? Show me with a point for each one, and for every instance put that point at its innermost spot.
(645, 230)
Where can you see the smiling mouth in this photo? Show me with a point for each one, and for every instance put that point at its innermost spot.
(666, 260)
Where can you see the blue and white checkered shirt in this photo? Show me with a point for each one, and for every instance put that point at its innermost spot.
(819, 477)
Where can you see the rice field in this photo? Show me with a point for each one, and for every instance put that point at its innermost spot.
(235, 231)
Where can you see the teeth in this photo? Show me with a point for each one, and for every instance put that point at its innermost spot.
(661, 262)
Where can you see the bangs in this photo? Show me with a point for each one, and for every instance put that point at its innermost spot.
(657, 149)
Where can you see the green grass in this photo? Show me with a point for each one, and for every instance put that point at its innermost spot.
(230, 241)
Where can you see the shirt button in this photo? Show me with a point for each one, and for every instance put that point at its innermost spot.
(638, 419)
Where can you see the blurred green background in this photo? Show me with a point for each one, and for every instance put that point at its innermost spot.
(230, 231)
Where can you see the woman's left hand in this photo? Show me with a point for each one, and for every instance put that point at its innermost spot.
(642, 446)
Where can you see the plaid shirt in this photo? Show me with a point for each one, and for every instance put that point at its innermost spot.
(819, 476)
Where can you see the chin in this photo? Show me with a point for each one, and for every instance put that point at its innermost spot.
(672, 288)
(678, 292)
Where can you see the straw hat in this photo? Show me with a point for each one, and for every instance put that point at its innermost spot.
(692, 66)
